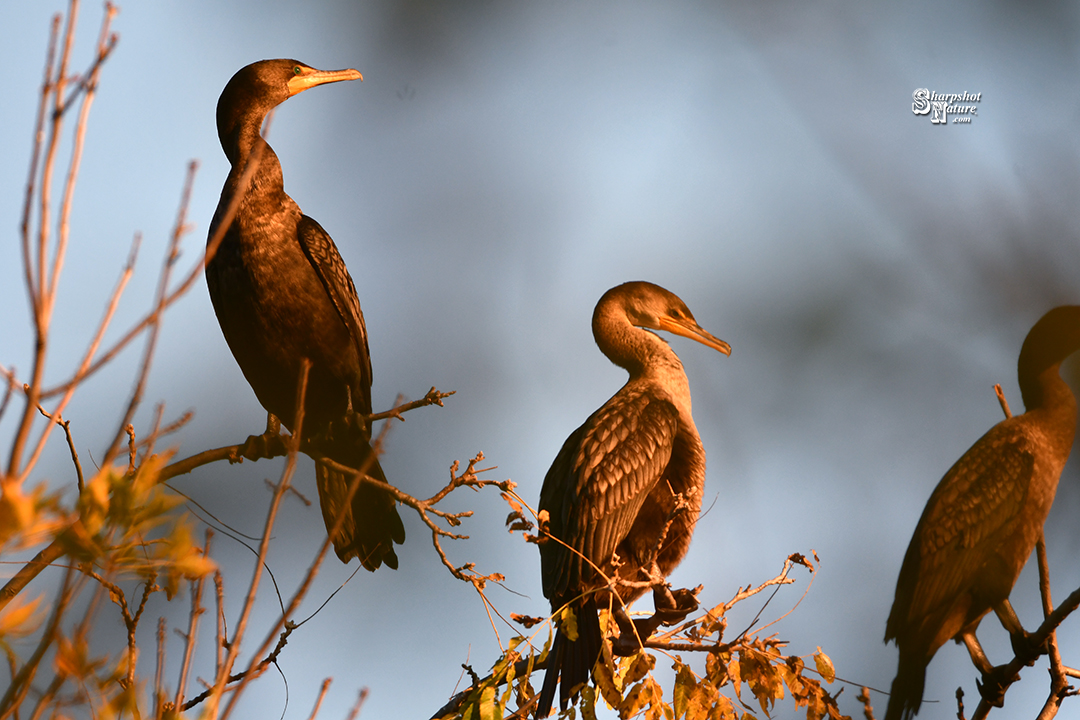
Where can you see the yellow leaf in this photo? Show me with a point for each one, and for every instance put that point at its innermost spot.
(633, 702)
(568, 623)
(16, 510)
(588, 703)
(642, 664)
(734, 671)
(824, 666)
(605, 682)
(685, 688)
(21, 618)
(94, 502)
(514, 504)
(723, 709)
(147, 476)
(71, 658)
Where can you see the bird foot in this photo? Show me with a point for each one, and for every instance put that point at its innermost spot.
(672, 607)
(357, 422)
(1026, 649)
(258, 447)
(995, 683)
(632, 634)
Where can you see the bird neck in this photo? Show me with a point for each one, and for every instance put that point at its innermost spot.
(644, 355)
(240, 116)
(244, 144)
(1048, 398)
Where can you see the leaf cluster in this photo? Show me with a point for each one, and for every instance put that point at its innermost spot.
(737, 680)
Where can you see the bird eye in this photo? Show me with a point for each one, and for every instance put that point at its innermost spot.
(296, 70)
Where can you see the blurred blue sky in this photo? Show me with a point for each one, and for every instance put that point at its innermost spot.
(503, 164)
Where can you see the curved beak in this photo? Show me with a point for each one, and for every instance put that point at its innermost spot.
(693, 331)
(309, 78)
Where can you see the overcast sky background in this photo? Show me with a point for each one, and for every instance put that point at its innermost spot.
(500, 167)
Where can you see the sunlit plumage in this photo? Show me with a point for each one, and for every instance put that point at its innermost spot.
(612, 488)
(282, 293)
(985, 516)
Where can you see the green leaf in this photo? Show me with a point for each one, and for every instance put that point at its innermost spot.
(489, 710)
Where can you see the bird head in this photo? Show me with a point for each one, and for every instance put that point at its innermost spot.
(650, 306)
(258, 88)
(275, 81)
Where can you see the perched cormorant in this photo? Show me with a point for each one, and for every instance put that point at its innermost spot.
(613, 488)
(282, 293)
(984, 518)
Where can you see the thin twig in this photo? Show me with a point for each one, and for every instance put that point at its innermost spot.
(66, 424)
(110, 310)
(169, 429)
(36, 287)
(193, 625)
(159, 670)
(318, 701)
(1002, 401)
(864, 698)
(433, 397)
(35, 158)
(1059, 683)
(52, 552)
(284, 625)
(355, 711)
(264, 547)
(222, 630)
(44, 295)
(179, 230)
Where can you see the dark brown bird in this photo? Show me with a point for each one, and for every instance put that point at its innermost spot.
(984, 518)
(613, 487)
(282, 293)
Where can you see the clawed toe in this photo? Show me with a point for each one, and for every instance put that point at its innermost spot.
(994, 684)
(1025, 648)
(258, 447)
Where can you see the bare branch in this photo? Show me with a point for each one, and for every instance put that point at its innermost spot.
(43, 288)
(274, 445)
(433, 397)
(29, 571)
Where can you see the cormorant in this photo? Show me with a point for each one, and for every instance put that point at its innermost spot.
(282, 293)
(984, 518)
(613, 488)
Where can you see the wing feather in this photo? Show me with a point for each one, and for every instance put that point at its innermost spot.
(324, 257)
(598, 482)
(973, 510)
